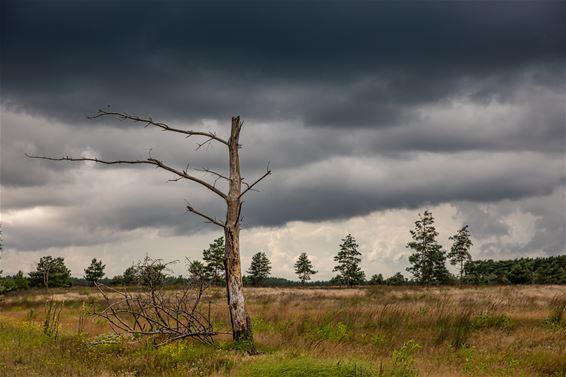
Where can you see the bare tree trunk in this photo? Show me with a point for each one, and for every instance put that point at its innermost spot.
(241, 323)
(46, 279)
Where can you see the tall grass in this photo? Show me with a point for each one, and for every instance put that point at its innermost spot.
(383, 331)
(557, 318)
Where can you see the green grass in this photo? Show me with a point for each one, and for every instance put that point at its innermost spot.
(27, 351)
(304, 366)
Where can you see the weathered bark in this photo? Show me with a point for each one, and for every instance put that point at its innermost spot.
(241, 323)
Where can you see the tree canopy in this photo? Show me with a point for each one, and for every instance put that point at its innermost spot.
(95, 271)
(304, 268)
(348, 259)
(260, 268)
(428, 260)
(197, 271)
(213, 258)
(459, 253)
(50, 272)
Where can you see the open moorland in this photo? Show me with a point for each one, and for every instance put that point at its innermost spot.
(367, 331)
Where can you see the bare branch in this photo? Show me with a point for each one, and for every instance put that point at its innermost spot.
(162, 315)
(184, 174)
(208, 218)
(206, 170)
(251, 186)
(149, 161)
(163, 126)
(206, 142)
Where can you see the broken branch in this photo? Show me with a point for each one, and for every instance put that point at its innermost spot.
(251, 186)
(149, 161)
(208, 218)
(163, 126)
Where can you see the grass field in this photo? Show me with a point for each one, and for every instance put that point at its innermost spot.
(368, 331)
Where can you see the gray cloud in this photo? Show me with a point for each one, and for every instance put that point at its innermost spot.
(368, 60)
(532, 226)
(360, 107)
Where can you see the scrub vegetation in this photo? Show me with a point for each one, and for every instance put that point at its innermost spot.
(381, 330)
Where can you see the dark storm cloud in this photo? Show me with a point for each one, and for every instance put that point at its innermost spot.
(359, 106)
(100, 203)
(343, 188)
(356, 63)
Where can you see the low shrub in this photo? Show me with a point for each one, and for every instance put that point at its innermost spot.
(492, 320)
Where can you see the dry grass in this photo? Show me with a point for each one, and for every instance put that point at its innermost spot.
(388, 331)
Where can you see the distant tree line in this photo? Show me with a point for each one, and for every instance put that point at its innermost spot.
(428, 267)
(542, 270)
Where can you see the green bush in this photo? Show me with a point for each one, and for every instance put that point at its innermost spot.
(491, 320)
(402, 360)
(335, 332)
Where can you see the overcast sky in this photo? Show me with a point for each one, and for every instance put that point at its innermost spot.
(368, 112)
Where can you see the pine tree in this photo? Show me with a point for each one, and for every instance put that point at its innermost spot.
(428, 259)
(460, 250)
(303, 268)
(95, 271)
(397, 279)
(214, 259)
(130, 276)
(376, 279)
(259, 268)
(20, 281)
(348, 267)
(198, 271)
(50, 272)
(520, 273)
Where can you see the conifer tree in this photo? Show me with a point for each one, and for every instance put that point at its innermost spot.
(376, 279)
(428, 259)
(397, 279)
(348, 267)
(303, 268)
(259, 268)
(50, 272)
(214, 259)
(130, 276)
(460, 251)
(197, 271)
(95, 271)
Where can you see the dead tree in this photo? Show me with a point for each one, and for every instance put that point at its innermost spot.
(164, 315)
(241, 323)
